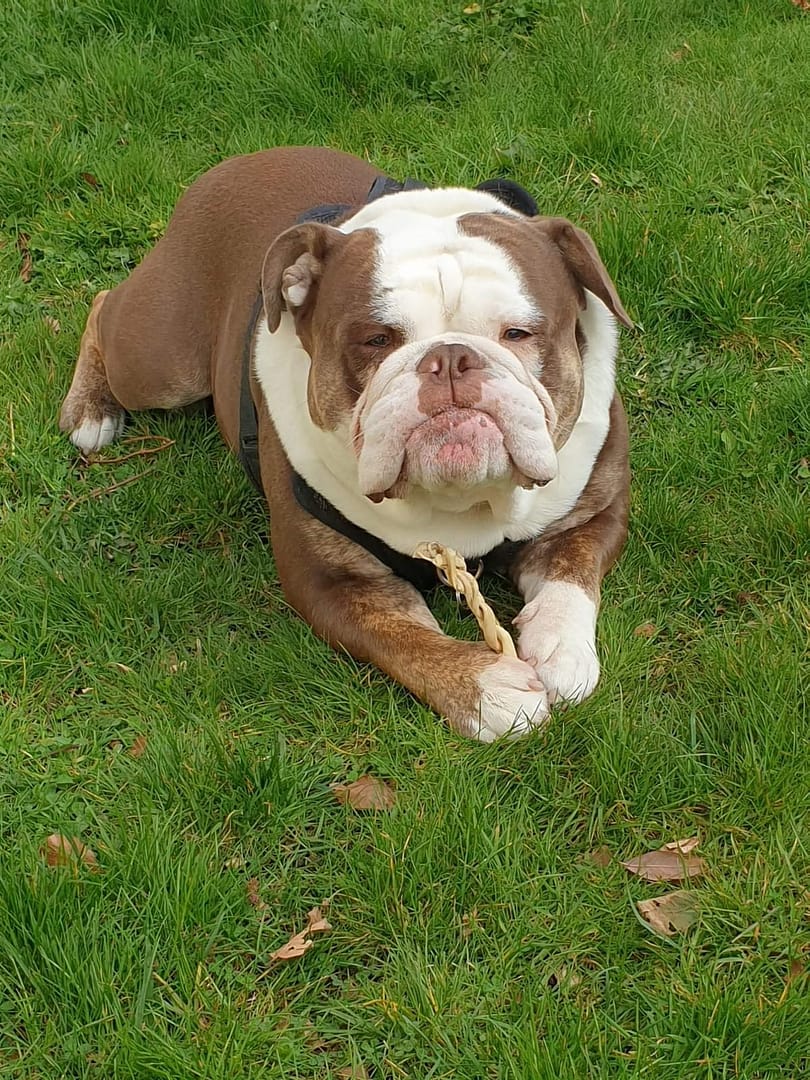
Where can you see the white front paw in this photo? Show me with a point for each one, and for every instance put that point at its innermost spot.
(557, 637)
(513, 702)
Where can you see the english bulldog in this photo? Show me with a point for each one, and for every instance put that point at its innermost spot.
(394, 365)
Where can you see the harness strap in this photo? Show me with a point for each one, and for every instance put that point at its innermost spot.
(248, 450)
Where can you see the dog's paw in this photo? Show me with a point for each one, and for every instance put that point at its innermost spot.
(513, 702)
(557, 637)
(91, 434)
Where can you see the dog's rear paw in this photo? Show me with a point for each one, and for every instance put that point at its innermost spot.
(513, 702)
(90, 435)
(90, 414)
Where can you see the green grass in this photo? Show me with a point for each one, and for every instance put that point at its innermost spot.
(455, 913)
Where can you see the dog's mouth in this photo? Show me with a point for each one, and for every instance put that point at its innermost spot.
(457, 448)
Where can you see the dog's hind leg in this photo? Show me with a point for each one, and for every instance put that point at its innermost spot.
(90, 413)
(142, 348)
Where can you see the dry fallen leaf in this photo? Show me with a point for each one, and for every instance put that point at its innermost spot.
(795, 971)
(61, 850)
(600, 857)
(354, 1072)
(671, 913)
(646, 630)
(53, 324)
(300, 943)
(89, 179)
(295, 947)
(138, 747)
(22, 247)
(670, 863)
(254, 899)
(683, 846)
(316, 923)
(367, 793)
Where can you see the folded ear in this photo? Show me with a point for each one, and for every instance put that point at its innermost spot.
(582, 259)
(292, 266)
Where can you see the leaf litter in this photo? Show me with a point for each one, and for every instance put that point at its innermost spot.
(367, 793)
(60, 851)
(253, 896)
(672, 913)
(672, 862)
(302, 942)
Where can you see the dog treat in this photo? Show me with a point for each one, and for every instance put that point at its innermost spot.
(452, 570)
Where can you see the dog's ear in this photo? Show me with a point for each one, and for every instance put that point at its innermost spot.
(583, 260)
(292, 266)
(511, 194)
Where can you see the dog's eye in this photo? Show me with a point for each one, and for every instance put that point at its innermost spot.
(379, 341)
(514, 334)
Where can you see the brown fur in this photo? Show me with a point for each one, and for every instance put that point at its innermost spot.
(174, 332)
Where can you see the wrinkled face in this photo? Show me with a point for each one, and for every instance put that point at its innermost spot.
(445, 347)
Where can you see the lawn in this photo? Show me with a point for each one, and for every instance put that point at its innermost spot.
(159, 701)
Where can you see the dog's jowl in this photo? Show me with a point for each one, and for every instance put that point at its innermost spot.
(395, 365)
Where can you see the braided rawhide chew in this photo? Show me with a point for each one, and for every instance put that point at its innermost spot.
(452, 571)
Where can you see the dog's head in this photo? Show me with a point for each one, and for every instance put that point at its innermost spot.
(444, 337)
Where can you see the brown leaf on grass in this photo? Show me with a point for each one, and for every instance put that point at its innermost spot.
(367, 793)
(138, 747)
(600, 857)
(295, 947)
(316, 923)
(61, 850)
(795, 971)
(89, 179)
(646, 630)
(748, 598)
(26, 264)
(53, 324)
(252, 887)
(672, 862)
(672, 913)
(302, 942)
(684, 846)
(354, 1072)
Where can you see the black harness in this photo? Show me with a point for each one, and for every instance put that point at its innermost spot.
(418, 572)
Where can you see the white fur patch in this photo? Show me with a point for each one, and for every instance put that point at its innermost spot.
(415, 228)
(513, 702)
(558, 638)
(92, 435)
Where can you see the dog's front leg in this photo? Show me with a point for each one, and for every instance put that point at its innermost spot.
(355, 603)
(560, 581)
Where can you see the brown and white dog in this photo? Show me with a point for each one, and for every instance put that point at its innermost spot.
(435, 366)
